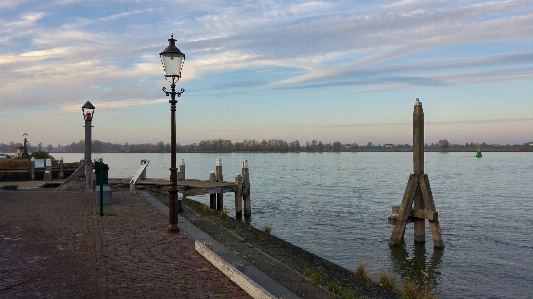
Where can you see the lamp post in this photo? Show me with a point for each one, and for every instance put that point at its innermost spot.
(88, 112)
(25, 152)
(172, 59)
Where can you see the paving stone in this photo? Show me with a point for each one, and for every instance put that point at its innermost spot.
(55, 245)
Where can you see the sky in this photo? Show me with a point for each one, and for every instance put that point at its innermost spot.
(346, 71)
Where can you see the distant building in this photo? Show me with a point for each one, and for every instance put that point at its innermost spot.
(388, 145)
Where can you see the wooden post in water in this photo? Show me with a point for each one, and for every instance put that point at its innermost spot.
(219, 178)
(212, 196)
(238, 196)
(182, 170)
(418, 168)
(246, 189)
(417, 204)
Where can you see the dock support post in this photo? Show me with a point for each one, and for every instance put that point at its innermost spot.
(212, 196)
(219, 178)
(417, 204)
(246, 190)
(61, 168)
(238, 196)
(182, 169)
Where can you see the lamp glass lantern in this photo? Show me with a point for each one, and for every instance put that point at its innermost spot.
(172, 59)
(88, 111)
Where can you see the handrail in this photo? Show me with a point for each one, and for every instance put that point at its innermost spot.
(137, 175)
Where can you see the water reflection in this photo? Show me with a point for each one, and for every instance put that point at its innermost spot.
(415, 263)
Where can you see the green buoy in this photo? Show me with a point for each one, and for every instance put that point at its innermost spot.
(478, 154)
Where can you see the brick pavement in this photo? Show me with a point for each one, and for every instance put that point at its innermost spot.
(55, 245)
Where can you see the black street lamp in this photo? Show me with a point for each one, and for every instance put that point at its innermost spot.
(172, 59)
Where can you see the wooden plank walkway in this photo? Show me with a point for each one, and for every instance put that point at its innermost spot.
(188, 187)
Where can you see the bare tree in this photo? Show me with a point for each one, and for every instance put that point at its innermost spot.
(444, 143)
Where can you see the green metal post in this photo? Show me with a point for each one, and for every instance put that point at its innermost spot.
(101, 190)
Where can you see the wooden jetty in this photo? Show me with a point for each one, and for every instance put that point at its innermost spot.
(215, 186)
(417, 204)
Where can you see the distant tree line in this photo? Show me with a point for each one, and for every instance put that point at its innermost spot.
(252, 145)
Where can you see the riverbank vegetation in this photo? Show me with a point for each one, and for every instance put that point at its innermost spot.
(272, 145)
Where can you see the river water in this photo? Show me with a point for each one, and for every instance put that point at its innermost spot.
(336, 205)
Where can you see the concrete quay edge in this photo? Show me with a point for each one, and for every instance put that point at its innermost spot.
(255, 275)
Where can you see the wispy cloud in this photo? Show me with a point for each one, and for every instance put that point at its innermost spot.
(58, 52)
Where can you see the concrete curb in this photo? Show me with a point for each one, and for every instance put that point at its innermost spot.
(271, 286)
(248, 285)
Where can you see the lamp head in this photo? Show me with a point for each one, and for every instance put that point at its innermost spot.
(172, 59)
(88, 111)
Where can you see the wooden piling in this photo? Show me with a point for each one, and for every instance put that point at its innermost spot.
(60, 176)
(212, 196)
(238, 196)
(218, 172)
(181, 176)
(246, 190)
(417, 204)
(219, 178)
(418, 168)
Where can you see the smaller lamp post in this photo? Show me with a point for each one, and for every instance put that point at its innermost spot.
(25, 152)
(172, 59)
(88, 112)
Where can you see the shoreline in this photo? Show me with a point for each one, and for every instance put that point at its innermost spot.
(279, 259)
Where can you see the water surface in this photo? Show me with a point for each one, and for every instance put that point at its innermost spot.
(336, 205)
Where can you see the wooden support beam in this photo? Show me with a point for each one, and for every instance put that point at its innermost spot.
(434, 225)
(421, 214)
(405, 211)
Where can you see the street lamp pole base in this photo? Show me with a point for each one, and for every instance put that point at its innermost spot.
(173, 228)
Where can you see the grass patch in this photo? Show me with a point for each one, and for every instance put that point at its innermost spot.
(307, 272)
(267, 228)
(412, 290)
(335, 288)
(159, 191)
(223, 214)
(317, 279)
(205, 210)
(387, 280)
(362, 272)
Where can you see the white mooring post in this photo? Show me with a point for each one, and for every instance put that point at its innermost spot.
(181, 175)
(32, 168)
